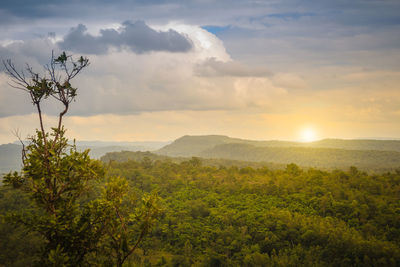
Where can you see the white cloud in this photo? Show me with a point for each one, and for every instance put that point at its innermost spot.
(255, 91)
(211, 67)
(123, 82)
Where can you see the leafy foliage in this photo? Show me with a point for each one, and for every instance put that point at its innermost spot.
(127, 221)
(59, 183)
(55, 183)
(218, 216)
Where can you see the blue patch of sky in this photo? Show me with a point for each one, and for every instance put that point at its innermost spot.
(216, 29)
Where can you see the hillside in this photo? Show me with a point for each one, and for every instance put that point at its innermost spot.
(357, 144)
(377, 155)
(187, 146)
(139, 156)
(308, 157)
(135, 156)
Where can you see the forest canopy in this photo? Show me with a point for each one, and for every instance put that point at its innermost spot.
(230, 216)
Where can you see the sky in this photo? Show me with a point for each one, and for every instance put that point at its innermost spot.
(253, 69)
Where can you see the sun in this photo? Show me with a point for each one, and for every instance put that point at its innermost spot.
(308, 135)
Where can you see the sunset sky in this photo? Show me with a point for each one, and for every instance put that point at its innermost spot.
(289, 70)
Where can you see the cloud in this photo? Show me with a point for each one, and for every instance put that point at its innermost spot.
(289, 80)
(137, 36)
(203, 78)
(258, 92)
(213, 67)
(384, 12)
(315, 49)
(36, 52)
(123, 82)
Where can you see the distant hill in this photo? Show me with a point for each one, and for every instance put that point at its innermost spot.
(327, 153)
(141, 146)
(308, 156)
(194, 145)
(356, 144)
(136, 156)
(98, 152)
(10, 157)
(217, 150)
(10, 154)
(188, 146)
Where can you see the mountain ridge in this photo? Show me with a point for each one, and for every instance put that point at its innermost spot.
(373, 152)
(188, 145)
(382, 155)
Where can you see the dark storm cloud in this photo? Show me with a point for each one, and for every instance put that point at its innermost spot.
(137, 36)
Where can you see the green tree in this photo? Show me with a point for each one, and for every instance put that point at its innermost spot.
(60, 180)
(125, 228)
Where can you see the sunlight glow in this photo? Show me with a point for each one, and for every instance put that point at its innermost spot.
(308, 135)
